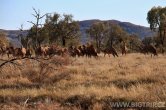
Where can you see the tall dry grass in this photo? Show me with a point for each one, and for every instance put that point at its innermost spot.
(83, 83)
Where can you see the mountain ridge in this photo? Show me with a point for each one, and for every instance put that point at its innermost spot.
(131, 28)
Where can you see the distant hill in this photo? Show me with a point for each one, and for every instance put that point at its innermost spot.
(14, 33)
(13, 36)
(130, 28)
(141, 31)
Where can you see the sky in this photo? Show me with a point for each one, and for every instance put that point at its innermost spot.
(13, 13)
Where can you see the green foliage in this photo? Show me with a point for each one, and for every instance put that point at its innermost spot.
(134, 42)
(98, 31)
(51, 27)
(115, 35)
(156, 17)
(61, 27)
(72, 42)
(147, 40)
(107, 34)
(153, 18)
(57, 29)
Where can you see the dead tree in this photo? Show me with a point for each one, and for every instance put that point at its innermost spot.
(38, 17)
(20, 35)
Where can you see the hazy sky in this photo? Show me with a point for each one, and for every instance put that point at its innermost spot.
(17, 12)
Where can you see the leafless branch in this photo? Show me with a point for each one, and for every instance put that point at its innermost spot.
(42, 16)
(32, 23)
(21, 28)
(34, 15)
(35, 10)
(9, 61)
(32, 58)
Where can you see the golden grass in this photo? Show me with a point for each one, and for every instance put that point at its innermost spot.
(133, 77)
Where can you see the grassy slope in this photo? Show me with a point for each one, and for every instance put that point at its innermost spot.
(134, 77)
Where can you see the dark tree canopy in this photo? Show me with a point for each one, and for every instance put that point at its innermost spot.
(97, 32)
(156, 17)
(107, 34)
(61, 27)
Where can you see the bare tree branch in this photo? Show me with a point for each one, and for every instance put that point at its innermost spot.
(9, 61)
(31, 22)
(21, 28)
(38, 17)
(35, 10)
(42, 16)
(32, 58)
(34, 15)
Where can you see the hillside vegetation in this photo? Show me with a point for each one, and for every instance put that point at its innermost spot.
(128, 27)
(83, 83)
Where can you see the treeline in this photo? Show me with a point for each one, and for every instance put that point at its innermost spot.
(108, 35)
(56, 29)
(64, 30)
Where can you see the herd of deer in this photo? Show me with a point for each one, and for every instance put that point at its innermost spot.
(82, 50)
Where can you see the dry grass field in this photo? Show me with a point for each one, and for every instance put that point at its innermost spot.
(83, 83)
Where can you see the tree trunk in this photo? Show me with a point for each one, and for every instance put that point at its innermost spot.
(161, 37)
(111, 42)
(99, 46)
(39, 44)
(63, 42)
(164, 37)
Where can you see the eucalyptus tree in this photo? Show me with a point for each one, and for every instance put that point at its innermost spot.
(156, 17)
(30, 39)
(61, 27)
(116, 34)
(68, 29)
(51, 27)
(106, 34)
(97, 32)
(134, 42)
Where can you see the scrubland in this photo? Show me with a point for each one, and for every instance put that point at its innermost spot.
(65, 83)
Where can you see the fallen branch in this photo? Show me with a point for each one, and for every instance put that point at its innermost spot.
(32, 58)
(9, 61)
